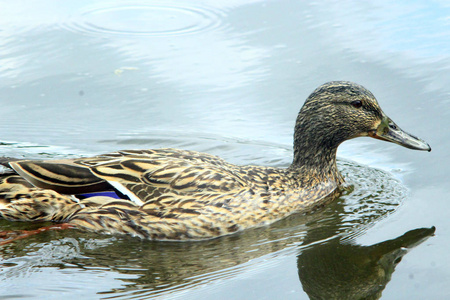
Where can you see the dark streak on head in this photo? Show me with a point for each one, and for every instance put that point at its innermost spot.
(327, 119)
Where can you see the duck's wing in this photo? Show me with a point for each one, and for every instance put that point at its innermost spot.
(142, 175)
(62, 176)
(168, 176)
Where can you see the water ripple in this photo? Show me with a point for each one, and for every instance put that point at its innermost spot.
(146, 20)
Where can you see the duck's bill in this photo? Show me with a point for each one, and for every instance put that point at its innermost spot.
(390, 132)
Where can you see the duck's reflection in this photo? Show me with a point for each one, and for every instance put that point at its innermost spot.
(329, 268)
(335, 269)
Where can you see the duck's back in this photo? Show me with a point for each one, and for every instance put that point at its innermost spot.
(161, 168)
(163, 193)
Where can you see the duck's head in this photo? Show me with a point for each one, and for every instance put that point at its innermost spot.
(338, 111)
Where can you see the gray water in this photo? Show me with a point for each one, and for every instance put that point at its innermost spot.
(228, 77)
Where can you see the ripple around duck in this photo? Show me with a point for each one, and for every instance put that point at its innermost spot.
(376, 194)
(146, 20)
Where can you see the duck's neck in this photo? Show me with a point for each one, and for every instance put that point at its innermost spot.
(315, 150)
(314, 157)
(317, 162)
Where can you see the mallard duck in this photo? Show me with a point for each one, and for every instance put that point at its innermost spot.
(170, 194)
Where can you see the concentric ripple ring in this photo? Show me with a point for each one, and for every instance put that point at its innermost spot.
(149, 20)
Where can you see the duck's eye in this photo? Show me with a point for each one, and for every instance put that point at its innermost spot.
(356, 103)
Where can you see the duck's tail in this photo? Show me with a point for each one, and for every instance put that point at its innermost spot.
(4, 161)
(5, 166)
(20, 201)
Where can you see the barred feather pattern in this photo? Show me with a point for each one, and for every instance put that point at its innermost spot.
(184, 194)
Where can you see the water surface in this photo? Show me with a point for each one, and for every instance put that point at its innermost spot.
(228, 78)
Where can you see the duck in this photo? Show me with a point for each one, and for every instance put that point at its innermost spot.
(178, 195)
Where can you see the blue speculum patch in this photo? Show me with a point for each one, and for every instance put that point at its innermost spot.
(111, 194)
